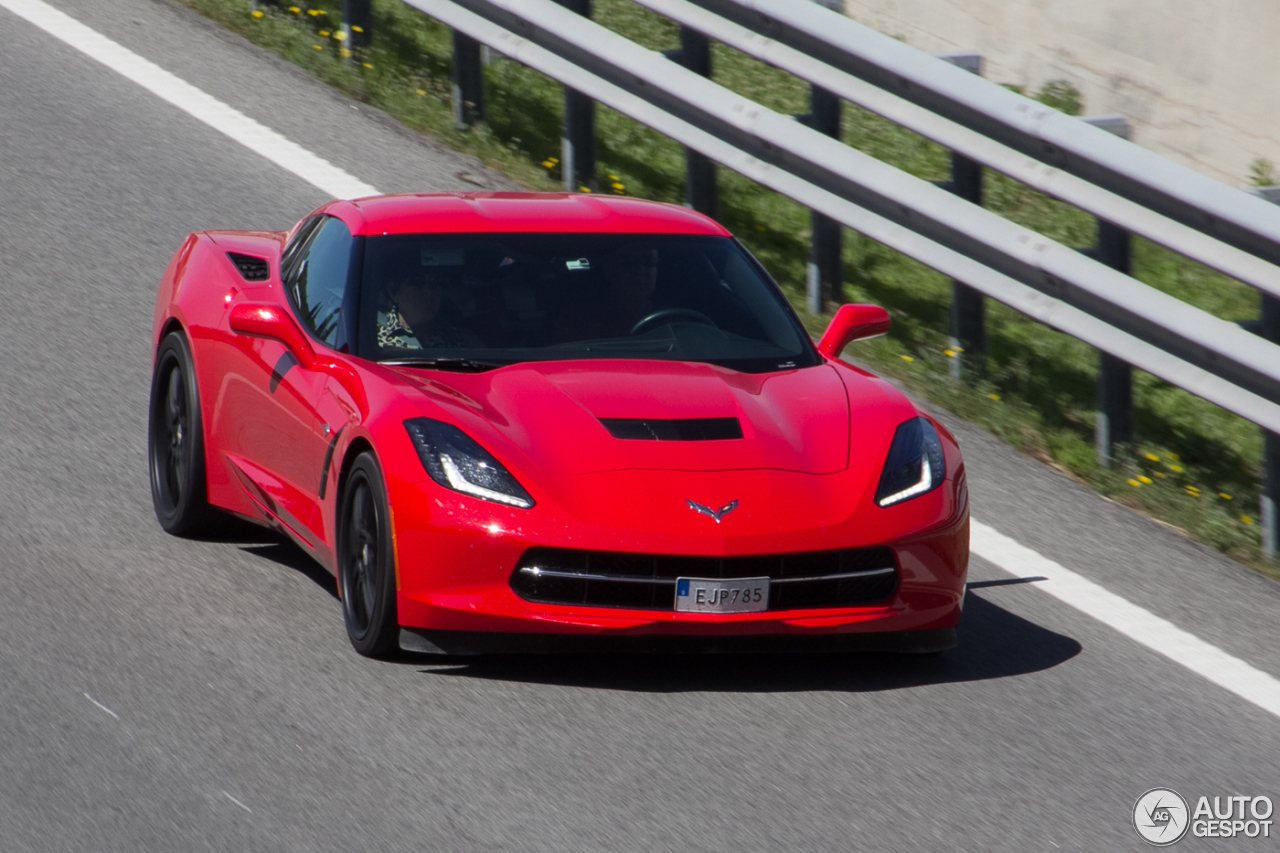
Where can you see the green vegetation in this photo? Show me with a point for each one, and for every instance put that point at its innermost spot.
(1194, 466)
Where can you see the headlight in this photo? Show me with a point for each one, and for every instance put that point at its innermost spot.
(915, 464)
(456, 462)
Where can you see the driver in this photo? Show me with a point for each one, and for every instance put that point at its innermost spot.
(630, 276)
(421, 317)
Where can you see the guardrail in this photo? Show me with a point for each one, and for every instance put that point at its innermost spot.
(1130, 189)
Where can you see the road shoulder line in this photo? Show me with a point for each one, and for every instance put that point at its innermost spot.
(1136, 623)
(221, 117)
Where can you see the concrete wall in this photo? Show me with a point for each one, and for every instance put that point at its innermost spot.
(1198, 79)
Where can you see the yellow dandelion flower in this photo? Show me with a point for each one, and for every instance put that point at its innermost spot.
(1146, 481)
(1177, 469)
(958, 349)
(317, 47)
(312, 12)
(547, 164)
(1153, 457)
(295, 10)
(1134, 483)
(1174, 457)
(619, 187)
(614, 178)
(344, 53)
(256, 13)
(1193, 491)
(950, 353)
(367, 65)
(1224, 496)
(340, 36)
(553, 160)
(908, 359)
(324, 34)
(357, 29)
(421, 91)
(995, 397)
(1246, 519)
(1161, 475)
(584, 189)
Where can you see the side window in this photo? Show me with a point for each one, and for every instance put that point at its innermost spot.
(299, 242)
(318, 280)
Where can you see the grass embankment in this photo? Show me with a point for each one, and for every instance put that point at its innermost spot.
(1193, 465)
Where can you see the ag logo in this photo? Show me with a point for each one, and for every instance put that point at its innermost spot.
(1161, 817)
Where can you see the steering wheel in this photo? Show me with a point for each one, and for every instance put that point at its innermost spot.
(670, 315)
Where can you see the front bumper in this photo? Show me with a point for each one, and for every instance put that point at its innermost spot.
(456, 556)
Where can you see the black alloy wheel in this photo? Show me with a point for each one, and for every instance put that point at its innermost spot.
(175, 443)
(366, 562)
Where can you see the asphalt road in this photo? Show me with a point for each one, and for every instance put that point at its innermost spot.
(163, 694)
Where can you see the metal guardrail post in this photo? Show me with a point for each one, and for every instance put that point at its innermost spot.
(1113, 424)
(357, 23)
(578, 144)
(700, 189)
(468, 81)
(1268, 326)
(968, 322)
(824, 273)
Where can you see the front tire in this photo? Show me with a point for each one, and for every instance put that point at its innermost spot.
(366, 561)
(175, 443)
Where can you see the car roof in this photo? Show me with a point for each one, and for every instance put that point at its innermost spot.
(494, 212)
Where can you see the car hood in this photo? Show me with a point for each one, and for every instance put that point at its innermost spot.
(797, 420)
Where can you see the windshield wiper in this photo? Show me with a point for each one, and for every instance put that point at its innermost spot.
(460, 364)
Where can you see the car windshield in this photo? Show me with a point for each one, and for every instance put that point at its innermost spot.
(475, 301)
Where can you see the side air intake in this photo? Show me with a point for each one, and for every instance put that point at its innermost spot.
(251, 268)
(686, 429)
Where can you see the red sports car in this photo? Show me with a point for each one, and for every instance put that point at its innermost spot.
(518, 422)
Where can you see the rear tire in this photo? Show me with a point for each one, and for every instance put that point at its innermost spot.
(366, 561)
(175, 443)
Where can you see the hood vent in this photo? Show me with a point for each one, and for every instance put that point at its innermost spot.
(686, 429)
(251, 268)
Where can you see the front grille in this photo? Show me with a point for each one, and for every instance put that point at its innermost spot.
(847, 578)
(251, 268)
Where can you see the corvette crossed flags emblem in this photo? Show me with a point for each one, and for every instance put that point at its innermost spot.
(717, 514)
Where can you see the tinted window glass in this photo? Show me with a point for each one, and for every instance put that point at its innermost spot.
(290, 255)
(319, 281)
(504, 298)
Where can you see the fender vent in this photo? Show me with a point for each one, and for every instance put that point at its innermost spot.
(251, 268)
(686, 429)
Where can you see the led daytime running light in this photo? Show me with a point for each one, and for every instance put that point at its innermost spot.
(926, 483)
(462, 484)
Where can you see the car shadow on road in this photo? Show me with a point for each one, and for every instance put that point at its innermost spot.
(994, 643)
(279, 550)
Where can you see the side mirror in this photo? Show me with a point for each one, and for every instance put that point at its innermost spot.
(273, 322)
(853, 323)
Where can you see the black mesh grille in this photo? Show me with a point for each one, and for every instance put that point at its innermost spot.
(683, 429)
(251, 268)
(647, 582)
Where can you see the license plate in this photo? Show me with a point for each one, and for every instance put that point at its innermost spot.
(703, 595)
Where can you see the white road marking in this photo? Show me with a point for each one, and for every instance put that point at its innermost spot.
(1134, 622)
(237, 802)
(256, 137)
(100, 705)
